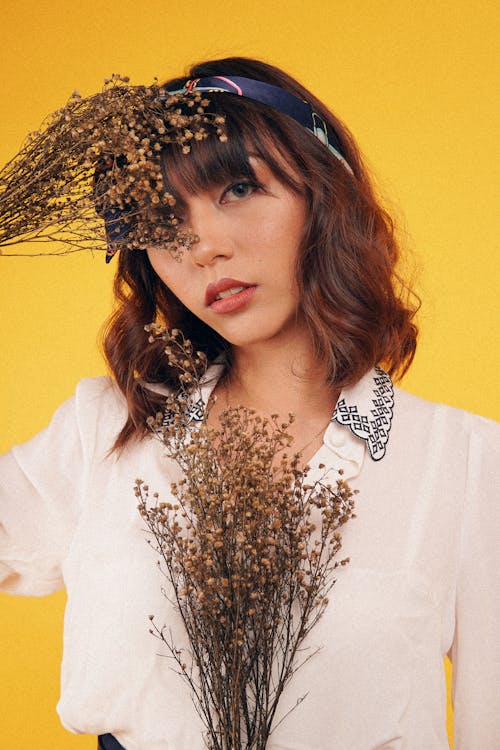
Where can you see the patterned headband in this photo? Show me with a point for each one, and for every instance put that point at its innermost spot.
(277, 98)
(272, 96)
(99, 157)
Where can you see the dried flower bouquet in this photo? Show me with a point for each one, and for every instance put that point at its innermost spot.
(96, 158)
(249, 547)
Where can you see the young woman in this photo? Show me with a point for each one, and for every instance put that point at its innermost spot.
(289, 287)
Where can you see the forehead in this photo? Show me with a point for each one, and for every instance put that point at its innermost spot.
(208, 163)
(214, 162)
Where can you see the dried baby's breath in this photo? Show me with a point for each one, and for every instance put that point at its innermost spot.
(249, 543)
(98, 158)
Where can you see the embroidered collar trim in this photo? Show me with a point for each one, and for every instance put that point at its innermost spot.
(366, 408)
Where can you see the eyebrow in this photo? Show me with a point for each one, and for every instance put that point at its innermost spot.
(225, 180)
(207, 170)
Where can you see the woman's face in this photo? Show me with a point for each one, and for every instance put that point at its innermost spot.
(240, 277)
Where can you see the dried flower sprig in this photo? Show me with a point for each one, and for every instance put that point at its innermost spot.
(98, 158)
(249, 546)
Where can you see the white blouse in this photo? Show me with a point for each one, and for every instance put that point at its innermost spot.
(422, 581)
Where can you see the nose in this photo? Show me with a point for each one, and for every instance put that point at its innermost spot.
(206, 222)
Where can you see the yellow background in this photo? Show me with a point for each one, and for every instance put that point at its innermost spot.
(415, 81)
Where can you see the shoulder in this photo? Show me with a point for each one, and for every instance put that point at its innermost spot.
(94, 394)
(100, 411)
(84, 425)
(410, 406)
(430, 421)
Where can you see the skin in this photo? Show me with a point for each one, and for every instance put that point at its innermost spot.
(251, 232)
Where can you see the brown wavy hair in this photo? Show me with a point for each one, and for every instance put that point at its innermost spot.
(358, 310)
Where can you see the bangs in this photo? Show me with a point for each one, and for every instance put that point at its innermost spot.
(251, 132)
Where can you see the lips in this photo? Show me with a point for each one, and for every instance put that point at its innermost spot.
(223, 289)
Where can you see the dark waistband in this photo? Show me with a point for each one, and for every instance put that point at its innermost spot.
(108, 742)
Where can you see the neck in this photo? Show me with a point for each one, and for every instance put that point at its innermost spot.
(281, 380)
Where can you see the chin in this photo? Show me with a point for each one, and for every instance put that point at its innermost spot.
(254, 335)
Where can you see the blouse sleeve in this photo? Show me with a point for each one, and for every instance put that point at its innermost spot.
(475, 652)
(41, 489)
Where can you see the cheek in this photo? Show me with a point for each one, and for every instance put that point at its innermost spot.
(171, 272)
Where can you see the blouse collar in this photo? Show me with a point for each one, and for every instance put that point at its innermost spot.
(365, 409)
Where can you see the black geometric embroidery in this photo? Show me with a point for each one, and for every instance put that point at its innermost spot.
(374, 430)
(195, 412)
(372, 427)
(350, 417)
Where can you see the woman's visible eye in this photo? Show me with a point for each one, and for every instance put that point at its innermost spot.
(239, 190)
